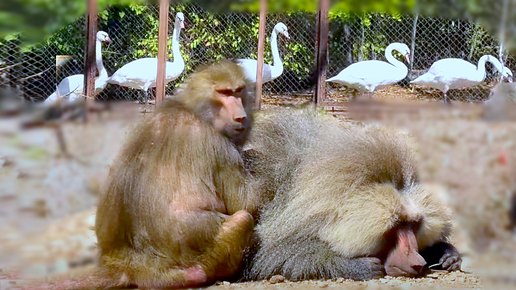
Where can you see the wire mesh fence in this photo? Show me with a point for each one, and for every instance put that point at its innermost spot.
(358, 37)
(207, 37)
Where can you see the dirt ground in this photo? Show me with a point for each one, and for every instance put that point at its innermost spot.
(47, 197)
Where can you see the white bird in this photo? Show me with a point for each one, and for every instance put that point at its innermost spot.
(270, 72)
(454, 73)
(366, 76)
(72, 87)
(142, 73)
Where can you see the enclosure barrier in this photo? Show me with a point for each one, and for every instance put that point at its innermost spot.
(211, 36)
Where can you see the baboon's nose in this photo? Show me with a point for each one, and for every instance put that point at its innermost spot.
(240, 119)
(417, 268)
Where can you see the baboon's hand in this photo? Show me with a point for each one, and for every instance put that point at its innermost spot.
(451, 260)
(372, 268)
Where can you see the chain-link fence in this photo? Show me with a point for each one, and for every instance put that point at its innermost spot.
(207, 36)
(358, 37)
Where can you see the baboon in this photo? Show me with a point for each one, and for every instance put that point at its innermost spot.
(177, 209)
(341, 201)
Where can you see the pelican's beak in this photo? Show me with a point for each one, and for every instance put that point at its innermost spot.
(407, 57)
(285, 33)
(108, 40)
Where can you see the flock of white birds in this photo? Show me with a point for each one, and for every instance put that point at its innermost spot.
(363, 76)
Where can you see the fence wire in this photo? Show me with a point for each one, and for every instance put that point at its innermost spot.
(207, 37)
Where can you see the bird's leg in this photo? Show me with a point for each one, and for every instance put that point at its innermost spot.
(142, 97)
(147, 97)
(446, 99)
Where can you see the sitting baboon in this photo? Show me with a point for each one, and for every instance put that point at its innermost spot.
(178, 205)
(341, 201)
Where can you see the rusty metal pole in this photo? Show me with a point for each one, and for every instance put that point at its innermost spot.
(90, 66)
(322, 50)
(261, 44)
(162, 50)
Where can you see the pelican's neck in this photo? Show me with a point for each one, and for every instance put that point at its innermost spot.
(176, 51)
(481, 68)
(277, 63)
(391, 59)
(103, 74)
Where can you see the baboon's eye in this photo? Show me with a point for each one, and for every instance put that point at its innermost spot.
(226, 92)
(230, 92)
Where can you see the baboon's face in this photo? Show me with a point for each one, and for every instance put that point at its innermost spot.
(230, 116)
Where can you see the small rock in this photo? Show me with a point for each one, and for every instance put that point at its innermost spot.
(10, 284)
(451, 275)
(36, 270)
(225, 283)
(61, 266)
(339, 280)
(433, 275)
(276, 279)
(322, 285)
(384, 280)
(6, 161)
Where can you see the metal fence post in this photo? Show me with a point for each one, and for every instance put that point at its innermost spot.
(321, 51)
(413, 43)
(162, 50)
(90, 64)
(261, 43)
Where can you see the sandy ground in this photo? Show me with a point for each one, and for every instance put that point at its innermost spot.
(47, 197)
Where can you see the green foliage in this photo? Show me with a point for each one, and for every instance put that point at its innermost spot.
(38, 19)
(390, 6)
(275, 6)
(210, 36)
(207, 37)
(481, 43)
(487, 12)
(311, 6)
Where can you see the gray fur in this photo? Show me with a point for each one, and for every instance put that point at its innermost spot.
(333, 192)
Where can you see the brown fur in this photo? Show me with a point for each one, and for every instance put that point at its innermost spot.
(338, 200)
(177, 207)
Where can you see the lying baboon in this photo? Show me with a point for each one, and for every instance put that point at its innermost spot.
(341, 202)
(178, 204)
